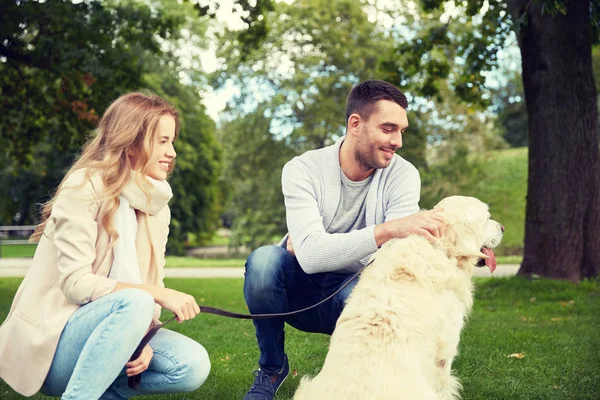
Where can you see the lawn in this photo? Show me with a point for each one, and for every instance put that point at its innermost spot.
(17, 250)
(503, 186)
(192, 262)
(27, 250)
(554, 324)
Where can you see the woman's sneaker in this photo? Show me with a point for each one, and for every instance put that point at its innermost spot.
(265, 385)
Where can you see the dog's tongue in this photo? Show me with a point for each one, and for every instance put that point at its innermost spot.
(491, 260)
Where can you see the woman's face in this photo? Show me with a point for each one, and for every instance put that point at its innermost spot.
(163, 152)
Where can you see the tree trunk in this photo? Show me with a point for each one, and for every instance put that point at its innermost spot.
(562, 224)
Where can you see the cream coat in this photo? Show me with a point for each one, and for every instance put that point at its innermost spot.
(69, 269)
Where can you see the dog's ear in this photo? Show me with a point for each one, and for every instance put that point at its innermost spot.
(462, 238)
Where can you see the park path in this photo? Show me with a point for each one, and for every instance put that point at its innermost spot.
(17, 267)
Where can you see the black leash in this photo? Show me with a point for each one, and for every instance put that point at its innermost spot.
(134, 381)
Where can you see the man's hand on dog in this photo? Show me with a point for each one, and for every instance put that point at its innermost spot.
(429, 224)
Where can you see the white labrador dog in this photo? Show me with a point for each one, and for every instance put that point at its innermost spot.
(399, 331)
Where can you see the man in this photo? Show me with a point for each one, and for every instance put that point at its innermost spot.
(342, 203)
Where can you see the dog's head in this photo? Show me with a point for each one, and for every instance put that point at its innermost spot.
(470, 233)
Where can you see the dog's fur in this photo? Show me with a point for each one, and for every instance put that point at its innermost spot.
(399, 331)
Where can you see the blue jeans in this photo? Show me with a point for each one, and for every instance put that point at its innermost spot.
(98, 340)
(276, 283)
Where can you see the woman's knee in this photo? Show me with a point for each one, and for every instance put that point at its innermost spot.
(196, 368)
(137, 303)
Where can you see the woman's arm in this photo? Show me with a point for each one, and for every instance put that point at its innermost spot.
(74, 216)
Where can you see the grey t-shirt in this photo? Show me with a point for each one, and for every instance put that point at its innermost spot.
(351, 212)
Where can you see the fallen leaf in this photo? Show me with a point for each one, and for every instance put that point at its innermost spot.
(517, 355)
(532, 299)
(555, 319)
(555, 387)
(246, 334)
(295, 373)
(226, 358)
(567, 303)
(525, 319)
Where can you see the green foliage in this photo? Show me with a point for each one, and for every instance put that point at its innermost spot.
(61, 64)
(256, 20)
(314, 52)
(254, 14)
(64, 63)
(443, 51)
(196, 200)
(512, 112)
(252, 180)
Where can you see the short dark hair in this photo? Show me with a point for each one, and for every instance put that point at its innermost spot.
(362, 98)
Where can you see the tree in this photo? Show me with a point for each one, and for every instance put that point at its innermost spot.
(315, 50)
(196, 195)
(252, 179)
(562, 226)
(63, 62)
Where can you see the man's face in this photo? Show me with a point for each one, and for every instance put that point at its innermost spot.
(380, 135)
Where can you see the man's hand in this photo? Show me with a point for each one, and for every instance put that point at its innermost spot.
(141, 364)
(429, 224)
(289, 246)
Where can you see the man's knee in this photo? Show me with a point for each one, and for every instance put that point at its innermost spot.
(265, 270)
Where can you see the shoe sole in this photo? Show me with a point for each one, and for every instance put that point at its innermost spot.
(281, 384)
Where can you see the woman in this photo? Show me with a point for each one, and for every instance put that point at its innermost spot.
(96, 283)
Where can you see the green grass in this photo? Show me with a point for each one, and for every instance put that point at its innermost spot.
(509, 259)
(554, 323)
(17, 250)
(504, 189)
(192, 262)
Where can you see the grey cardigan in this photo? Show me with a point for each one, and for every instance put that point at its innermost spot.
(311, 188)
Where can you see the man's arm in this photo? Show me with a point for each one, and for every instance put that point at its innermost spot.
(317, 250)
(401, 215)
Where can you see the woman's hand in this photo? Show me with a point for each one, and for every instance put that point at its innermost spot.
(181, 304)
(141, 364)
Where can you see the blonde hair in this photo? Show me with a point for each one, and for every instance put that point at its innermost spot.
(128, 126)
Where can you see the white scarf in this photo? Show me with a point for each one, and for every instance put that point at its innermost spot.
(125, 266)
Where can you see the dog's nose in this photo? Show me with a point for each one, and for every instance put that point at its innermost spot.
(502, 227)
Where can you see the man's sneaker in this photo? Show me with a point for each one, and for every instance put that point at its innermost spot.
(265, 386)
